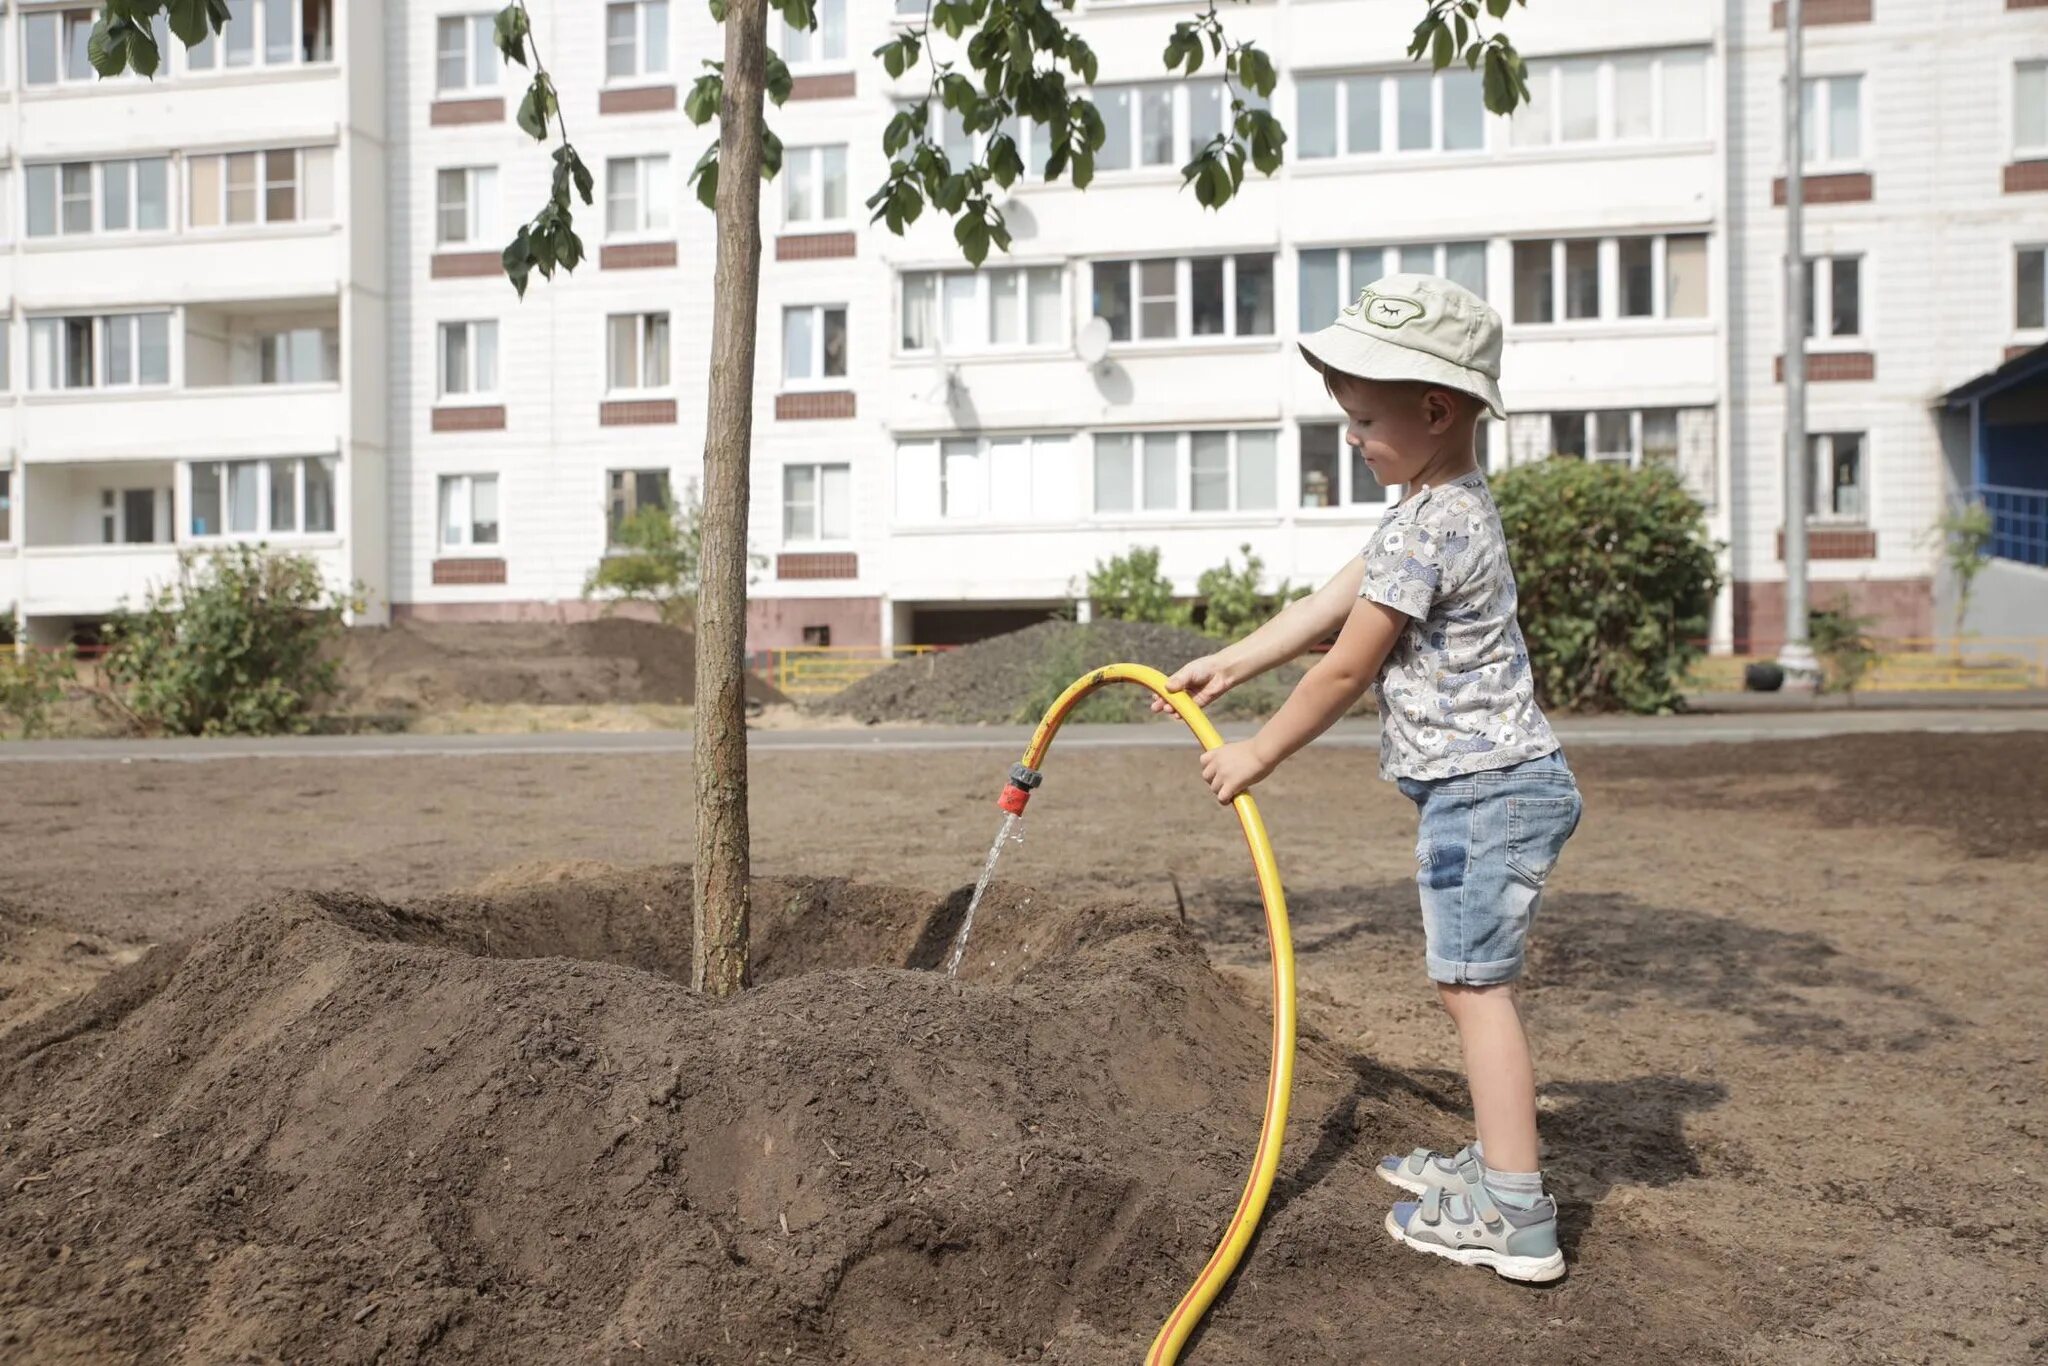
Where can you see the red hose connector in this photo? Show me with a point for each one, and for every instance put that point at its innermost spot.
(1017, 791)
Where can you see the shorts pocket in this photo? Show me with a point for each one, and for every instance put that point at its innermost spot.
(1537, 830)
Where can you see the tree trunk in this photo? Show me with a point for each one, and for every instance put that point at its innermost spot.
(719, 954)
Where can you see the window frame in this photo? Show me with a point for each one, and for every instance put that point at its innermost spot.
(1820, 484)
(2037, 248)
(469, 546)
(473, 395)
(160, 27)
(97, 172)
(985, 287)
(100, 329)
(1819, 123)
(647, 323)
(481, 201)
(330, 347)
(1351, 281)
(1184, 475)
(822, 61)
(262, 186)
(1387, 93)
(1820, 283)
(818, 470)
(647, 196)
(216, 66)
(265, 482)
(815, 154)
(1184, 300)
(642, 73)
(1546, 86)
(7, 536)
(1180, 139)
(474, 26)
(1349, 462)
(2029, 151)
(818, 380)
(622, 498)
(1610, 283)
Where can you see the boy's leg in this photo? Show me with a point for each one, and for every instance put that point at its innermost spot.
(1499, 1070)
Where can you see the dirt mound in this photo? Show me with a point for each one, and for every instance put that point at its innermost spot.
(491, 1128)
(1015, 677)
(415, 666)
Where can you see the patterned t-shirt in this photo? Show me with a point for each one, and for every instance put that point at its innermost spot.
(1455, 691)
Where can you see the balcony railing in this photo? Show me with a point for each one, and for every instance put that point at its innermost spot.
(2019, 522)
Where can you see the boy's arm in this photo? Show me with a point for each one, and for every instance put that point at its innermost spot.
(1292, 630)
(1328, 690)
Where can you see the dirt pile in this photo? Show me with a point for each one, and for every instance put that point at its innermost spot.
(415, 666)
(491, 1128)
(1014, 677)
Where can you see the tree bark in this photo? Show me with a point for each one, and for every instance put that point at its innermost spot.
(719, 953)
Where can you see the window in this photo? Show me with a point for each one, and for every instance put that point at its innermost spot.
(1833, 120)
(813, 344)
(113, 351)
(466, 206)
(825, 43)
(814, 185)
(289, 496)
(1007, 479)
(1202, 296)
(282, 185)
(465, 54)
(77, 197)
(630, 491)
(1836, 491)
(1651, 277)
(1834, 296)
(269, 32)
(1369, 115)
(1153, 125)
(1631, 97)
(817, 502)
(1332, 277)
(2031, 281)
(1334, 472)
(636, 346)
(635, 39)
(54, 45)
(469, 359)
(1012, 307)
(299, 355)
(469, 511)
(1186, 472)
(6, 505)
(129, 517)
(637, 196)
(2030, 109)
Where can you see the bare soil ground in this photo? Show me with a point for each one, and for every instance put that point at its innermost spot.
(1785, 1000)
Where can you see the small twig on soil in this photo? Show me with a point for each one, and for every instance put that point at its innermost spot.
(364, 1313)
(28, 1181)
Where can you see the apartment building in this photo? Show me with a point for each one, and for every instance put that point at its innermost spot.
(934, 457)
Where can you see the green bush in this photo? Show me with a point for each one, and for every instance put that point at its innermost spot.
(654, 561)
(1617, 581)
(238, 646)
(1131, 588)
(1842, 640)
(1233, 605)
(32, 682)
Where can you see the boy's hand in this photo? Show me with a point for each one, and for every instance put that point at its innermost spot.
(1234, 768)
(1204, 680)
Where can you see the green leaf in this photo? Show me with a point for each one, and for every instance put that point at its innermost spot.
(1498, 8)
(1441, 50)
(192, 20)
(700, 106)
(771, 154)
(1003, 161)
(718, 10)
(777, 80)
(509, 31)
(518, 261)
(1498, 84)
(537, 109)
(972, 235)
(704, 175)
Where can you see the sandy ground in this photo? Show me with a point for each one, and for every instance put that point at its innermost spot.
(1785, 999)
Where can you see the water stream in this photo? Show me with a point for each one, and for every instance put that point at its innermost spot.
(1012, 829)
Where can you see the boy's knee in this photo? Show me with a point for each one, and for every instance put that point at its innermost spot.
(1460, 995)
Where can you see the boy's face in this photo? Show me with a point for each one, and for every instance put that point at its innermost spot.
(1399, 427)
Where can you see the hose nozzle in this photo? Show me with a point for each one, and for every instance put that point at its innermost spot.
(1018, 790)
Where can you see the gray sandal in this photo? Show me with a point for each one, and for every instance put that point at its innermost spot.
(1468, 1227)
(1426, 1169)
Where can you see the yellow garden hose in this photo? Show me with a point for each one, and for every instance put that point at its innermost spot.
(1173, 1336)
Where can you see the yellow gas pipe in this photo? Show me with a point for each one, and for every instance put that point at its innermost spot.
(1166, 1347)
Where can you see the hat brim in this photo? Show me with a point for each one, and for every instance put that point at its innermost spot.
(1349, 352)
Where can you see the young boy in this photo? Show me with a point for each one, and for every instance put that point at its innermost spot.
(1428, 611)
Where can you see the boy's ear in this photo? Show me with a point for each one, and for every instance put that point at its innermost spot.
(1441, 409)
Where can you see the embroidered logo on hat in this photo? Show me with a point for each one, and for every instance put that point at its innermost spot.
(1389, 310)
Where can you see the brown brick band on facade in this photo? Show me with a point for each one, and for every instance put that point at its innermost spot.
(1832, 367)
(817, 566)
(2013, 353)
(490, 419)
(2026, 4)
(2026, 177)
(452, 113)
(1858, 188)
(1903, 609)
(1815, 13)
(839, 85)
(464, 570)
(639, 412)
(814, 246)
(641, 99)
(466, 265)
(1835, 543)
(810, 407)
(637, 256)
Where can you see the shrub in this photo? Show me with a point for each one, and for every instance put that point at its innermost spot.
(1842, 640)
(1232, 604)
(1965, 533)
(1131, 588)
(237, 646)
(654, 561)
(32, 682)
(1617, 581)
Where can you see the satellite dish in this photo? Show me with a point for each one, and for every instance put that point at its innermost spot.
(1093, 343)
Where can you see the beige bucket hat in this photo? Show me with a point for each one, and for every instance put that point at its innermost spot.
(1416, 327)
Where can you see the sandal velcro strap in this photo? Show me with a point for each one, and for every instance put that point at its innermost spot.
(1432, 1210)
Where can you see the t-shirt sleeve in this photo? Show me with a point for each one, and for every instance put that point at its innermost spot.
(1408, 567)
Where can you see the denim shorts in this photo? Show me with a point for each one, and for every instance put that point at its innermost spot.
(1486, 846)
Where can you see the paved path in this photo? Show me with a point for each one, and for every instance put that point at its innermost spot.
(1618, 730)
